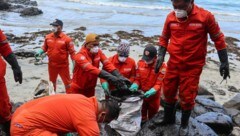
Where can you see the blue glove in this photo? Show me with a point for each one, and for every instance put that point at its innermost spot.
(134, 87)
(105, 87)
(150, 92)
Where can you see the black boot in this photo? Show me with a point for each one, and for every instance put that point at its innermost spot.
(6, 127)
(183, 130)
(169, 116)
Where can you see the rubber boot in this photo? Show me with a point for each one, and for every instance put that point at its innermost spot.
(169, 116)
(184, 128)
(6, 128)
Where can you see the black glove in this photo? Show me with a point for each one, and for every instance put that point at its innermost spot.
(117, 82)
(121, 77)
(161, 54)
(11, 59)
(224, 67)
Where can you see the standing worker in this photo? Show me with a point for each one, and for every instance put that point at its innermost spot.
(58, 47)
(86, 70)
(125, 65)
(149, 82)
(63, 113)
(5, 105)
(185, 37)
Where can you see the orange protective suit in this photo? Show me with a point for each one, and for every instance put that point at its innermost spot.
(188, 49)
(58, 50)
(86, 71)
(55, 115)
(127, 68)
(5, 106)
(146, 79)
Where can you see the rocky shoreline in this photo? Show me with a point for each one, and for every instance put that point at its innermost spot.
(24, 7)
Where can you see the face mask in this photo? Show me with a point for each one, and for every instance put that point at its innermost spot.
(180, 13)
(122, 59)
(95, 49)
(54, 29)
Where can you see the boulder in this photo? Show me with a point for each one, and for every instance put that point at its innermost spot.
(235, 132)
(31, 11)
(195, 128)
(204, 105)
(4, 5)
(203, 92)
(235, 114)
(24, 53)
(234, 103)
(233, 89)
(220, 123)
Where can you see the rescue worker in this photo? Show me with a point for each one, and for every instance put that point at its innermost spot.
(86, 70)
(149, 82)
(58, 47)
(185, 37)
(75, 113)
(125, 65)
(5, 105)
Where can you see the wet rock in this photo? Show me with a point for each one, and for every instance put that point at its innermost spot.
(32, 11)
(82, 28)
(195, 128)
(4, 5)
(235, 132)
(234, 103)
(16, 105)
(233, 89)
(10, 36)
(24, 53)
(203, 91)
(204, 105)
(220, 123)
(220, 92)
(235, 115)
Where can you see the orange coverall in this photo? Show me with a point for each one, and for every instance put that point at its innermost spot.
(127, 68)
(55, 115)
(146, 79)
(58, 50)
(5, 106)
(86, 71)
(188, 49)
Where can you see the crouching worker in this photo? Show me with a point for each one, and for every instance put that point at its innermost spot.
(149, 82)
(86, 70)
(125, 65)
(59, 114)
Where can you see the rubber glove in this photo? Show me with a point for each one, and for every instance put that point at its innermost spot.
(105, 87)
(134, 87)
(150, 92)
(39, 53)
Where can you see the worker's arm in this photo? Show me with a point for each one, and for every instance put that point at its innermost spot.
(5, 48)
(136, 84)
(70, 48)
(107, 65)
(159, 82)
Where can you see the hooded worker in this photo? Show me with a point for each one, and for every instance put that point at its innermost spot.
(149, 82)
(58, 46)
(86, 70)
(5, 105)
(124, 64)
(185, 37)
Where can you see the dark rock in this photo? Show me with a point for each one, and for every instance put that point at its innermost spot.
(195, 128)
(204, 105)
(82, 28)
(4, 5)
(10, 36)
(234, 103)
(202, 90)
(24, 53)
(220, 92)
(233, 89)
(32, 11)
(235, 115)
(220, 123)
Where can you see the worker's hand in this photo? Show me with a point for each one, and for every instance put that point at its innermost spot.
(224, 66)
(105, 87)
(134, 87)
(11, 59)
(39, 53)
(150, 92)
(125, 80)
(159, 63)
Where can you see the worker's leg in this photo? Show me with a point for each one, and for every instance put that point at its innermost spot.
(65, 75)
(89, 92)
(144, 111)
(53, 73)
(153, 106)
